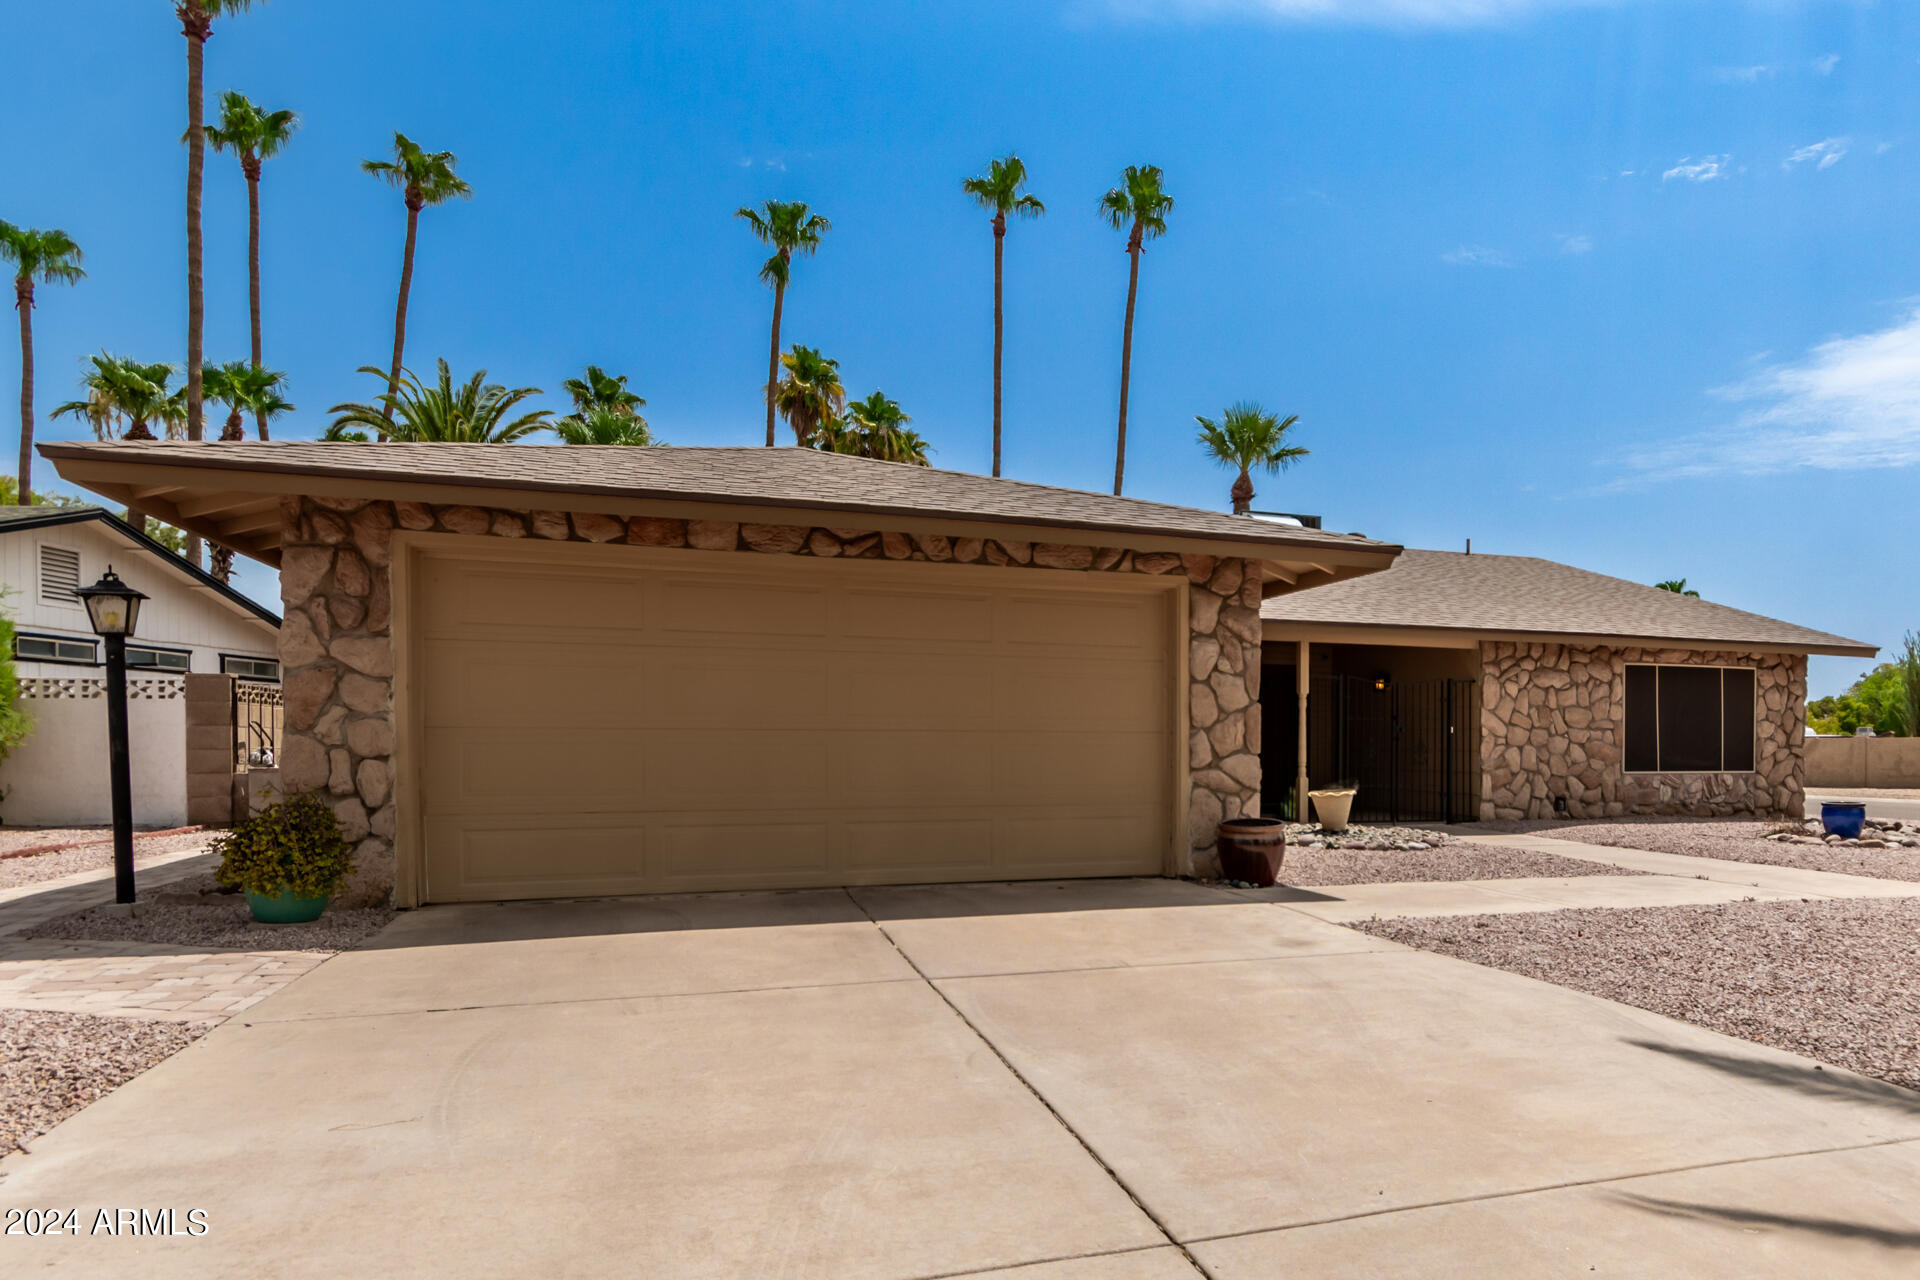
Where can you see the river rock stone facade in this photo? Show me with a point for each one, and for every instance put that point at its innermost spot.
(337, 655)
(1552, 725)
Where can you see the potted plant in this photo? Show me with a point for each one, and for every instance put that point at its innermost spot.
(1334, 805)
(290, 858)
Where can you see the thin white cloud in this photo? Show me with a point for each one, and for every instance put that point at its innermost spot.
(1822, 155)
(1825, 63)
(1575, 244)
(1474, 255)
(1379, 13)
(1705, 169)
(1741, 75)
(1850, 403)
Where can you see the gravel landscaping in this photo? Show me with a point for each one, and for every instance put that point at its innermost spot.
(1836, 980)
(194, 913)
(34, 868)
(1455, 860)
(1736, 840)
(53, 1064)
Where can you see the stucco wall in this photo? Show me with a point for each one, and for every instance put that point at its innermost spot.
(1552, 717)
(338, 660)
(58, 776)
(1863, 762)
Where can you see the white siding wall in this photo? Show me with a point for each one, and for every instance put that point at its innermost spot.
(58, 776)
(180, 614)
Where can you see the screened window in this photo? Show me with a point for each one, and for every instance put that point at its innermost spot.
(141, 655)
(1689, 719)
(55, 649)
(59, 575)
(233, 664)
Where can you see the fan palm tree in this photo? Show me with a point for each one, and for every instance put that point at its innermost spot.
(810, 392)
(602, 390)
(875, 428)
(1678, 586)
(601, 425)
(118, 388)
(1247, 436)
(1138, 206)
(49, 257)
(424, 178)
(475, 412)
(244, 388)
(790, 228)
(257, 136)
(196, 23)
(999, 190)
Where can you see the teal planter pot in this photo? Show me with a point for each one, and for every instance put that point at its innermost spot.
(285, 908)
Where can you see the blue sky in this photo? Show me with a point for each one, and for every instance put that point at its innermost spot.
(1632, 284)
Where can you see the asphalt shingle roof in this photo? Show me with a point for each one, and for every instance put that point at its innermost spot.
(1450, 590)
(788, 476)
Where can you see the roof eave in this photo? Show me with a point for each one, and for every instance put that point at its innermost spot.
(1330, 632)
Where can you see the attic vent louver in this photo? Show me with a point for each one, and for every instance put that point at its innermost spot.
(59, 575)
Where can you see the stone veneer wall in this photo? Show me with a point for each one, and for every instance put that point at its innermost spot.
(1551, 724)
(337, 653)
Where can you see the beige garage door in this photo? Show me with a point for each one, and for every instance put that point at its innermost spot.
(599, 720)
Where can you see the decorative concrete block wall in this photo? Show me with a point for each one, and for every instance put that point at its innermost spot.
(337, 655)
(57, 777)
(1552, 723)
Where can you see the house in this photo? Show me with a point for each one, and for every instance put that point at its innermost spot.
(524, 671)
(191, 623)
(1457, 686)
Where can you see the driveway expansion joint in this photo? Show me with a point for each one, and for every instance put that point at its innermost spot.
(1037, 1096)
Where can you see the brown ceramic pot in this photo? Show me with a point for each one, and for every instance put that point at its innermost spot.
(1252, 849)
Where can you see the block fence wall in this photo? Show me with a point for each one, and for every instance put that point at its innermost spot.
(336, 644)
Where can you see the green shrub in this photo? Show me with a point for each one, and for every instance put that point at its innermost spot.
(15, 723)
(292, 846)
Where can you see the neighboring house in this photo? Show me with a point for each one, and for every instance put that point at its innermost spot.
(190, 624)
(532, 672)
(1459, 686)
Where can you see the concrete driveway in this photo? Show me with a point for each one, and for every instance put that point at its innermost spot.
(1132, 1079)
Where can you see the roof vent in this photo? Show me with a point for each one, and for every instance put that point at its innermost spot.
(1287, 518)
(59, 575)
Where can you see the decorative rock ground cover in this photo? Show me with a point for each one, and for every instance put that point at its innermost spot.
(53, 1064)
(1311, 866)
(1836, 980)
(194, 913)
(33, 868)
(1749, 841)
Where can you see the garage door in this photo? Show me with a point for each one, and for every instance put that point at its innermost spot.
(599, 720)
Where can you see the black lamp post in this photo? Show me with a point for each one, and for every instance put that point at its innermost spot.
(114, 609)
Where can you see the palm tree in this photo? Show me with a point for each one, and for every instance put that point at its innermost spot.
(874, 428)
(50, 257)
(1139, 206)
(196, 23)
(810, 393)
(245, 387)
(602, 390)
(257, 136)
(601, 425)
(424, 178)
(1246, 437)
(473, 413)
(999, 190)
(1678, 586)
(118, 388)
(789, 228)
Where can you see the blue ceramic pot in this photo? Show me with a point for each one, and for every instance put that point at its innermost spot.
(1843, 818)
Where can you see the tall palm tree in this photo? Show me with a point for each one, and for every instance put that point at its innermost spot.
(599, 389)
(196, 23)
(1140, 207)
(601, 425)
(810, 392)
(999, 190)
(244, 388)
(129, 389)
(50, 257)
(473, 413)
(424, 178)
(1246, 437)
(257, 136)
(790, 228)
(1678, 586)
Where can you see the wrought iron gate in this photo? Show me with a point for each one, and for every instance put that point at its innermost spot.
(1413, 747)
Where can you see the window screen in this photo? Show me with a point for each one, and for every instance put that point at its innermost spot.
(1689, 719)
(59, 575)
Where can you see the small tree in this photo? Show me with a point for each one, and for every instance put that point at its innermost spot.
(1907, 668)
(15, 723)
